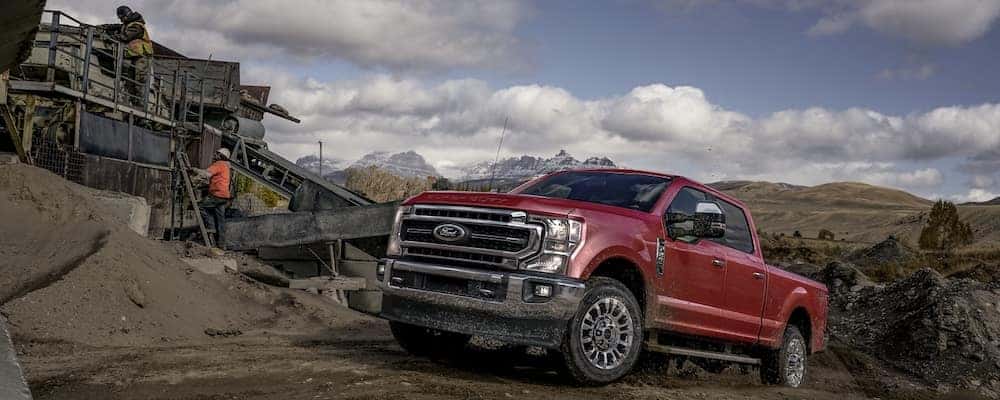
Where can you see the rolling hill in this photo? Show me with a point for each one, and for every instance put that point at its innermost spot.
(853, 211)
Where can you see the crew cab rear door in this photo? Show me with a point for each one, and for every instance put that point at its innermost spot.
(746, 276)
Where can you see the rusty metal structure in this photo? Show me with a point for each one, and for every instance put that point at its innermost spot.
(73, 104)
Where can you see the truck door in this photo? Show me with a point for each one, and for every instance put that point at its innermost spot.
(691, 287)
(745, 276)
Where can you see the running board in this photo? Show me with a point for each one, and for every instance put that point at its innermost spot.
(681, 351)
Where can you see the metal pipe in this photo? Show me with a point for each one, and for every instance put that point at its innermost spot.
(50, 74)
(173, 97)
(118, 72)
(130, 123)
(87, 51)
(201, 107)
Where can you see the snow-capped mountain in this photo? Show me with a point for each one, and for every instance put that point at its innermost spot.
(525, 167)
(311, 163)
(405, 164)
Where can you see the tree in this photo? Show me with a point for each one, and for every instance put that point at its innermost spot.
(797, 234)
(944, 230)
(441, 184)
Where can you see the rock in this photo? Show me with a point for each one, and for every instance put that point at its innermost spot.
(222, 332)
(211, 266)
(133, 210)
(134, 292)
(888, 251)
(8, 159)
(926, 325)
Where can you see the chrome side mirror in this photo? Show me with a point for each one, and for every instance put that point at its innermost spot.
(709, 220)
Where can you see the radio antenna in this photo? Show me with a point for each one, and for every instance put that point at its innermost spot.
(493, 170)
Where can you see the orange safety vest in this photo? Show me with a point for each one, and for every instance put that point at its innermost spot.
(218, 184)
(141, 47)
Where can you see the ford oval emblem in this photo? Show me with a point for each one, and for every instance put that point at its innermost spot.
(449, 232)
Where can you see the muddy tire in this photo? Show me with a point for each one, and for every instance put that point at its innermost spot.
(604, 338)
(787, 365)
(423, 342)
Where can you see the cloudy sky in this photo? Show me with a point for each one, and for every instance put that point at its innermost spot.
(902, 93)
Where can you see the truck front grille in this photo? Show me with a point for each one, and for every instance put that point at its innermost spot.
(488, 237)
(492, 237)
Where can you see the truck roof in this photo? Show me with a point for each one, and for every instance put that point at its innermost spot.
(700, 185)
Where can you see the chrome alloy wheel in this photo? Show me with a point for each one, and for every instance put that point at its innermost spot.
(606, 333)
(795, 362)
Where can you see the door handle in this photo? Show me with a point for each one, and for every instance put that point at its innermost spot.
(718, 263)
(758, 275)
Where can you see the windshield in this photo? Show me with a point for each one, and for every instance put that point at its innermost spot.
(634, 191)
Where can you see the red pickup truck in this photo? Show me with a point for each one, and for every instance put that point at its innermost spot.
(598, 265)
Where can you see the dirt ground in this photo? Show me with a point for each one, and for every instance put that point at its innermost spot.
(361, 361)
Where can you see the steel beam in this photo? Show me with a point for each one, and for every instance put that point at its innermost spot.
(300, 228)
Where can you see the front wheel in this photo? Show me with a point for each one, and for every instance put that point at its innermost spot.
(787, 365)
(604, 338)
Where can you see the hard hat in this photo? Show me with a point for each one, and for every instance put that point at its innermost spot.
(224, 152)
(123, 11)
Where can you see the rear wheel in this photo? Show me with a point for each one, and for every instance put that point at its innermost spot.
(787, 365)
(604, 338)
(421, 341)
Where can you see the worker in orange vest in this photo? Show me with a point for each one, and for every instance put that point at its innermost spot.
(213, 206)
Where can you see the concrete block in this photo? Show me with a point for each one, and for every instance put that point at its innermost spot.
(8, 159)
(299, 269)
(133, 210)
(12, 383)
(211, 266)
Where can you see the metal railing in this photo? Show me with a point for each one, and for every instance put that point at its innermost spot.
(94, 64)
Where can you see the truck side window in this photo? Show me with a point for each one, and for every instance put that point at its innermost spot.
(685, 202)
(737, 229)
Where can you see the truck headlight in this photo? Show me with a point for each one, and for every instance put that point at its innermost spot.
(394, 249)
(562, 238)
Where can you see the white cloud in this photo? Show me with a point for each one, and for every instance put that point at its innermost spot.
(916, 73)
(931, 22)
(975, 195)
(981, 181)
(659, 127)
(925, 23)
(921, 22)
(394, 34)
(833, 24)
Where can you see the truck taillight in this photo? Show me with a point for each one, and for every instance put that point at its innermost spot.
(394, 248)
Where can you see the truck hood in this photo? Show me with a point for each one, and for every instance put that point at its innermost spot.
(527, 203)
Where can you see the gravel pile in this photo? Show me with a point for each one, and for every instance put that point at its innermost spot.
(944, 331)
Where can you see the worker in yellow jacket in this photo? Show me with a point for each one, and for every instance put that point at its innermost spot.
(133, 34)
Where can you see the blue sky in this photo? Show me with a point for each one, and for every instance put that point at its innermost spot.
(900, 93)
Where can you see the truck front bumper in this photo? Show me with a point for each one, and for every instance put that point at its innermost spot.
(507, 306)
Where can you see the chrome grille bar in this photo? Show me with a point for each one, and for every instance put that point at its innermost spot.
(491, 224)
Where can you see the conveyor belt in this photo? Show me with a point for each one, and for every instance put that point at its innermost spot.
(286, 178)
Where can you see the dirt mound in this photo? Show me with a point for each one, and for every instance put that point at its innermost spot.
(982, 272)
(888, 251)
(79, 276)
(944, 331)
(48, 227)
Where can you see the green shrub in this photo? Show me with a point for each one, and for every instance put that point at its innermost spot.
(944, 230)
